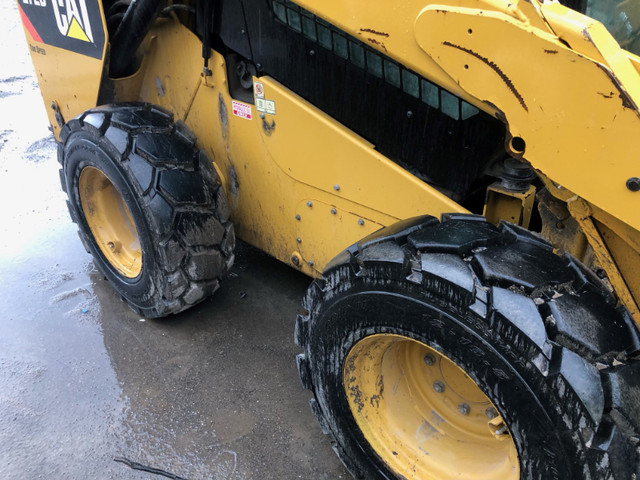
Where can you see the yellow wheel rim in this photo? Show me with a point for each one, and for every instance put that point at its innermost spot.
(110, 222)
(423, 416)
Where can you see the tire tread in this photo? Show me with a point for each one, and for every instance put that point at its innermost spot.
(179, 193)
(518, 285)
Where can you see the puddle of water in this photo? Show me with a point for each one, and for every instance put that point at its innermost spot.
(63, 413)
(210, 394)
(59, 390)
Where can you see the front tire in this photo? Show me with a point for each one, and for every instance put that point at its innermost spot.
(438, 351)
(148, 204)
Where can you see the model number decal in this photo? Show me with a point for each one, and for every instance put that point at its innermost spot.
(38, 50)
(241, 110)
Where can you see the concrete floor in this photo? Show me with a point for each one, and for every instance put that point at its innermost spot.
(210, 394)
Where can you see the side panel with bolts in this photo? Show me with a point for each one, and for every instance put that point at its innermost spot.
(346, 171)
(268, 200)
(268, 204)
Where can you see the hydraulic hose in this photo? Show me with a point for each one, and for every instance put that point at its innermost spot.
(134, 27)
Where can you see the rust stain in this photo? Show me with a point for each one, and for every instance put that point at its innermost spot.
(378, 43)
(550, 52)
(224, 116)
(370, 30)
(606, 95)
(268, 127)
(507, 81)
(234, 186)
(499, 113)
(627, 102)
(356, 396)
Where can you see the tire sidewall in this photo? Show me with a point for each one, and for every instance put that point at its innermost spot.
(81, 151)
(362, 312)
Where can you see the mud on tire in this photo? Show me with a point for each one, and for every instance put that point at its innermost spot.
(537, 332)
(173, 197)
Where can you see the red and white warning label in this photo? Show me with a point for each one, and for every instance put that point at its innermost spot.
(241, 110)
(258, 90)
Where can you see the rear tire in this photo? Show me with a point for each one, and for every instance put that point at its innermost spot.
(148, 204)
(537, 336)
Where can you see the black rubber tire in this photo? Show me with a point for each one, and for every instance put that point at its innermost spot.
(536, 331)
(173, 193)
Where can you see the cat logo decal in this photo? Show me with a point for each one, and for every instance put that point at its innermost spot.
(71, 20)
(74, 25)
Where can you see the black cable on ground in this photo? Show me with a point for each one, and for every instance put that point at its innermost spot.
(144, 468)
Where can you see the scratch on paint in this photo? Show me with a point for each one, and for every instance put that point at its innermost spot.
(507, 81)
(370, 30)
(378, 43)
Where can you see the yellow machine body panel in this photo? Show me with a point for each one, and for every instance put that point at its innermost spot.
(68, 43)
(582, 129)
(496, 55)
(573, 131)
(302, 186)
(292, 193)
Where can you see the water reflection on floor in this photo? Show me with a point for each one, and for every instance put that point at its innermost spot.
(210, 394)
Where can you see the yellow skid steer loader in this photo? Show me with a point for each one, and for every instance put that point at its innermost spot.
(460, 177)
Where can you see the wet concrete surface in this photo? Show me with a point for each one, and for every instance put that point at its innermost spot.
(209, 394)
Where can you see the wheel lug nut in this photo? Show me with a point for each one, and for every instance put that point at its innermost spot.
(429, 359)
(491, 413)
(438, 387)
(464, 409)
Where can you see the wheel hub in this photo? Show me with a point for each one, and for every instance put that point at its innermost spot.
(423, 415)
(110, 222)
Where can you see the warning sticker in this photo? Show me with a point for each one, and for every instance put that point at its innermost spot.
(258, 90)
(241, 110)
(266, 106)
